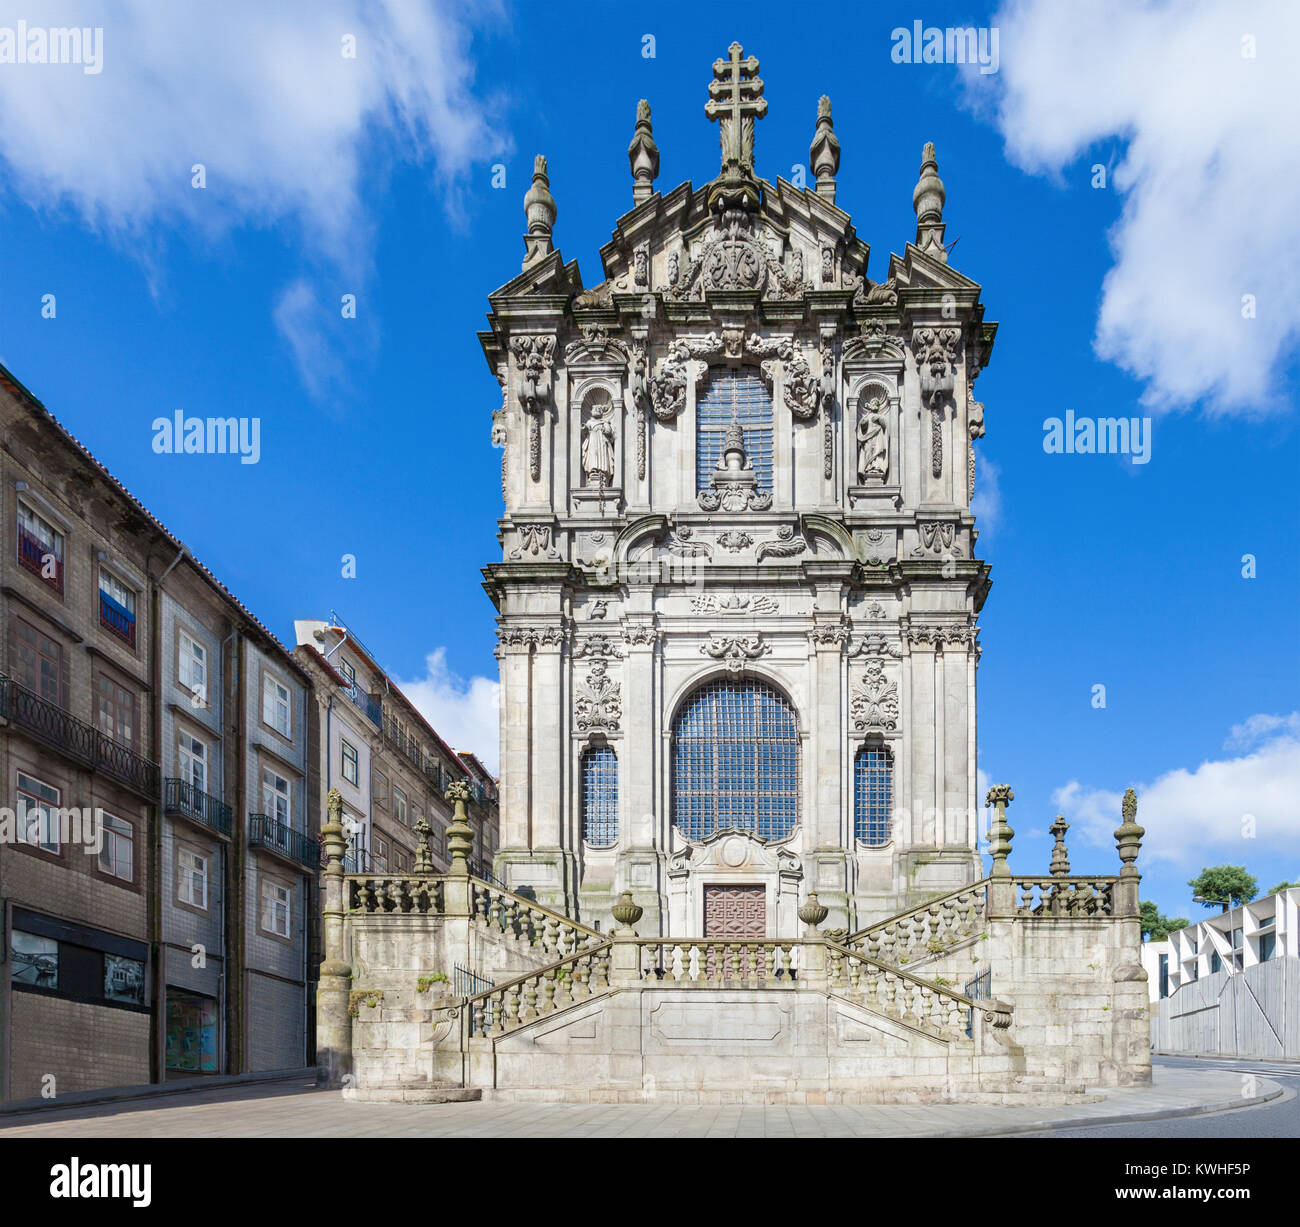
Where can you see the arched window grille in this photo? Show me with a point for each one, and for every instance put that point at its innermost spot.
(736, 761)
(599, 797)
(873, 794)
(744, 394)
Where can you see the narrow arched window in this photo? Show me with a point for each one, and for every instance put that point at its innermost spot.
(741, 395)
(599, 797)
(873, 794)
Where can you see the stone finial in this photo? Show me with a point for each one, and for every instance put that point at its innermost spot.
(735, 101)
(1000, 834)
(1060, 866)
(643, 155)
(1128, 835)
(460, 836)
(333, 836)
(927, 199)
(541, 211)
(627, 912)
(423, 853)
(813, 911)
(824, 152)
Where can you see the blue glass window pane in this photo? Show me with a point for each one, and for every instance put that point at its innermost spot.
(600, 797)
(743, 393)
(873, 789)
(736, 761)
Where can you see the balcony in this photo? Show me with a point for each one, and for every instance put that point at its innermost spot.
(117, 619)
(79, 741)
(372, 707)
(32, 552)
(272, 834)
(186, 801)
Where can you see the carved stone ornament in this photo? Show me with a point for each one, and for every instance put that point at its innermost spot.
(734, 603)
(876, 339)
(734, 542)
(640, 392)
(735, 650)
(875, 643)
(684, 547)
(598, 445)
(599, 644)
(802, 391)
(733, 498)
(873, 440)
(874, 702)
(668, 387)
(833, 635)
(535, 540)
(533, 359)
(878, 547)
(935, 350)
(640, 634)
(786, 545)
(597, 704)
(937, 537)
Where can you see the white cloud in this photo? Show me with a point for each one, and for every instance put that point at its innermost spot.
(1192, 816)
(300, 319)
(260, 94)
(986, 506)
(464, 713)
(1210, 177)
(1256, 728)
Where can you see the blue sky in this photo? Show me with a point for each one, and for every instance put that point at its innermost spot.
(373, 177)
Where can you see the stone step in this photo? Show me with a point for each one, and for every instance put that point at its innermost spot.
(413, 1092)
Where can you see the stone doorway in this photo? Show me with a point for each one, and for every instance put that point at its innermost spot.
(735, 911)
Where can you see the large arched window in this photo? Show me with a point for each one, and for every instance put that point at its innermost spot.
(743, 394)
(873, 794)
(599, 772)
(736, 761)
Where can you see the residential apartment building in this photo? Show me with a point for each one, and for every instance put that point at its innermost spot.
(157, 873)
(390, 765)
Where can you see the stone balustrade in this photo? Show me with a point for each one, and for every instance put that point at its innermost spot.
(767, 963)
(1072, 898)
(393, 894)
(568, 982)
(529, 923)
(931, 928)
(906, 998)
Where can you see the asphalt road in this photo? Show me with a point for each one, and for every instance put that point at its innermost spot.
(1277, 1119)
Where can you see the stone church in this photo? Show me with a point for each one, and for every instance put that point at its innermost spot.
(739, 585)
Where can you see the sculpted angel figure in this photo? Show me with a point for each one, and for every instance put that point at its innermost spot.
(598, 446)
(873, 442)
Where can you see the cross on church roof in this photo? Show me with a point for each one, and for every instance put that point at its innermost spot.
(736, 99)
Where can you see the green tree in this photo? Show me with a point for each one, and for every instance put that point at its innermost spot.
(1155, 927)
(1228, 885)
(1281, 886)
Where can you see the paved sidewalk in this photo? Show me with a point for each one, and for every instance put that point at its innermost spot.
(295, 1108)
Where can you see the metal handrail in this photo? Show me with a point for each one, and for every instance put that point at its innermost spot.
(185, 798)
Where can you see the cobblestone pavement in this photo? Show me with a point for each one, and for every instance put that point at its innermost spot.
(298, 1109)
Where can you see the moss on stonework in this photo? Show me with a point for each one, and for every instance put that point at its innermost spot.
(425, 983)
(369, 997)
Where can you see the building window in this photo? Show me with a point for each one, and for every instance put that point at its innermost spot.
(123, 979)
(115, 710)
(351, 763)
(116, 607)
(741, 396)
(599, 797)
(38, 814)
(40, 547)
(873, 789)
(37, 661)
(1164, 975)
(276, 911)
(1216, 963)
(399, 805)
(736, 761)
(192, 755)
(192, 878)
(277, 795)
(117, 852)
(349, 675)
(275, 706)
(192, 666)
(381, 790)
(191, 1032)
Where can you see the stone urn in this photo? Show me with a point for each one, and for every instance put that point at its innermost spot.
(813, 913)
(627, 911)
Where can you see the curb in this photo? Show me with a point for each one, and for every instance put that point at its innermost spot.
(150, 1090)
(1273, 1092)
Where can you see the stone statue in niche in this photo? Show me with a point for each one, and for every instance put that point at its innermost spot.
(873, 441)
(598, 445)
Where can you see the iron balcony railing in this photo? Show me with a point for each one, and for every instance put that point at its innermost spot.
(116, 618)
(373, 708)
(32, 553)
(82, 742)
(267, 832)
(191, 802)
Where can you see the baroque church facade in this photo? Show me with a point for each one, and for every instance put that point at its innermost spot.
(739, 588)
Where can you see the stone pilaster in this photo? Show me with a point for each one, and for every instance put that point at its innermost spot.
(333, 1013)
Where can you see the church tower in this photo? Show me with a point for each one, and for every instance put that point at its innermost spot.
(738, 590)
